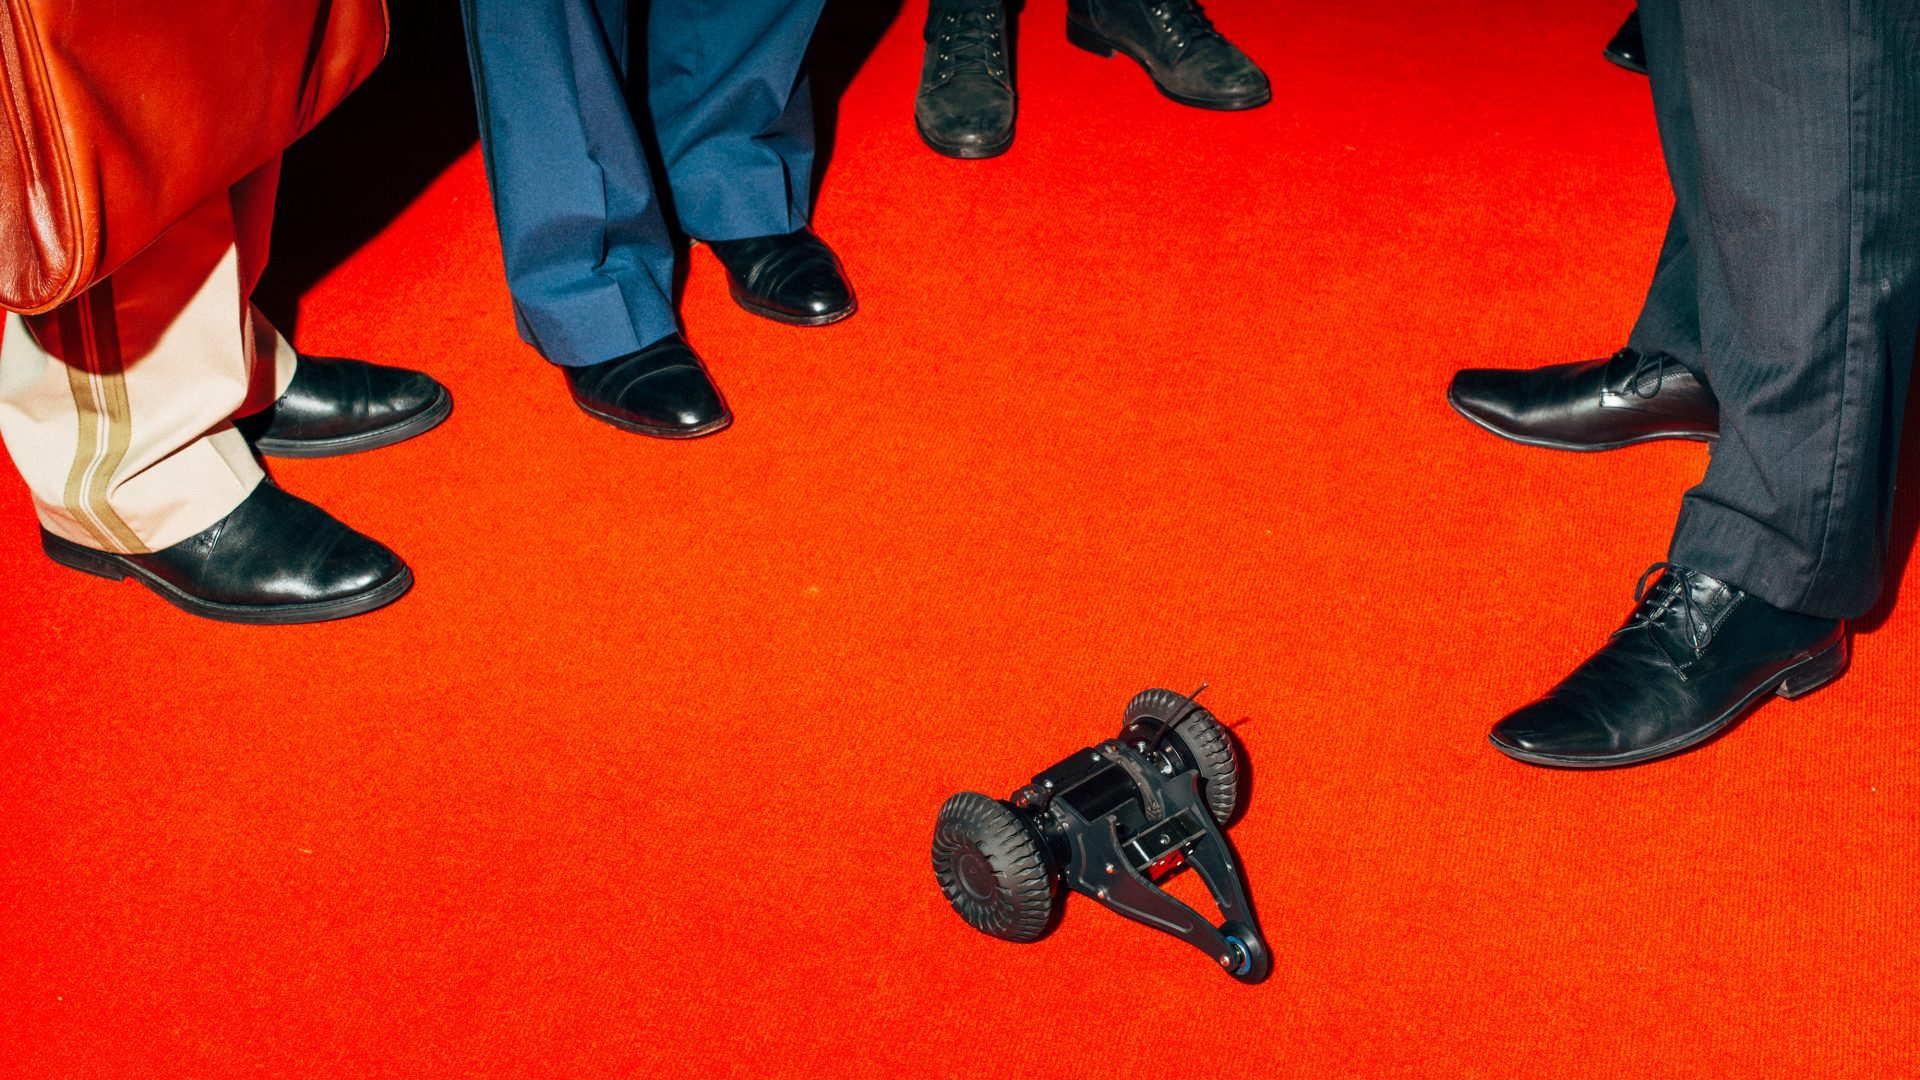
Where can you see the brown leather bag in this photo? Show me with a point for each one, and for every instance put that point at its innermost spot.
(117, 117)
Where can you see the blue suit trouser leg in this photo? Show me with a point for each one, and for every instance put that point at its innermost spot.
(589, 260)
(732, 112)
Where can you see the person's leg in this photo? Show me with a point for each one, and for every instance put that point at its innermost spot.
(1188, 60)
(588, 257)
(731, 108)
(1799, 189)
(1655, 387)
(732, 112)
(327, 406)
(966, 103)
(1808, 124)
(1669, 320)
(116, 405)
(117, 410)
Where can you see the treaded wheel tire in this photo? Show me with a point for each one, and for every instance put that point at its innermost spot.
(1201, 737)
(993, 870)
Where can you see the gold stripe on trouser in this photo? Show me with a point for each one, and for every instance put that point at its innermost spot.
(117, 408)
(99, 387)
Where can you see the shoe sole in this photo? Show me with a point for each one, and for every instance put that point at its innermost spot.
(418, 424)
(1578, 448)
(964, 153)
(114, 568)
(707, 428)
(793, 320)
(1793, 683)
(1082, 36)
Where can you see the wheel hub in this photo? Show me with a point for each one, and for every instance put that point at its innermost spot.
(976, 874)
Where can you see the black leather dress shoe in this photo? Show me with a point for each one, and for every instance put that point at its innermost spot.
(275, 559)
(336, 406)
(1694, 657)
(792, 278)
(1596, 405)
(965, 107)
(1627, 49)
(1187, 59)
(662, 390)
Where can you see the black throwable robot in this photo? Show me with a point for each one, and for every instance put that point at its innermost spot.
(1110, 821)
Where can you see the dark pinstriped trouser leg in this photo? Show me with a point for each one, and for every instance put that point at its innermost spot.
(1669, 321)
(1792, 134)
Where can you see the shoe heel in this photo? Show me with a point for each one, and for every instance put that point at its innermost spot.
(1817, 672)
(1086, 37)
(85, 560)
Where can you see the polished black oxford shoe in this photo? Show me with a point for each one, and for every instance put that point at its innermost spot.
(1695, 655)
(792, 278)
(662, 390)
(966, 103)
(1606, 404)
(275, 559)
(336, 406)
(1187, 59)
(1627, 48)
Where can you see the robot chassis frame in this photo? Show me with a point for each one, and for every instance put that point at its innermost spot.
(1108, 822)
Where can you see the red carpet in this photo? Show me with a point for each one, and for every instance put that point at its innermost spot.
(639, 780)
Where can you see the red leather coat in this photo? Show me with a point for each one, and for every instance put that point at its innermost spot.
(117, 117)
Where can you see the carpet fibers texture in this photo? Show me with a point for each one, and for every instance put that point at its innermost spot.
(640, 778)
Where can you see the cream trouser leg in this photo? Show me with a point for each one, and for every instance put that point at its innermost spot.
(117, 407)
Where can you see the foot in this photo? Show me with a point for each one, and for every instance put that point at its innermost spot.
(1627, 49)
(965, 106)
(1188, 60)
(337, 406)
(1596, 405)
(275, 559)
(792, 278)
(1695, 655)
(662, 390)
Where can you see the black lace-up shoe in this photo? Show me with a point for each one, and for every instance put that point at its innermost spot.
(335, 406)
(274, 560)
(965, 107)
(1188, 60)
(1694, 657)
(792, 278)
(1625, 399)
(1627, 48)
(662, 391)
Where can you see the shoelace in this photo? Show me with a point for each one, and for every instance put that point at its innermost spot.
(1676, 583)
(1650, 363)
(1182, 21)
(970, 41)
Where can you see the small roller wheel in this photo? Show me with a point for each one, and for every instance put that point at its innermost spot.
(993, 869)
(1247, 957)
(1203, 742)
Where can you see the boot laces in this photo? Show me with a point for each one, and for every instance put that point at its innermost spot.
(1674, 587)
(1182, 21)
(970, 41)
